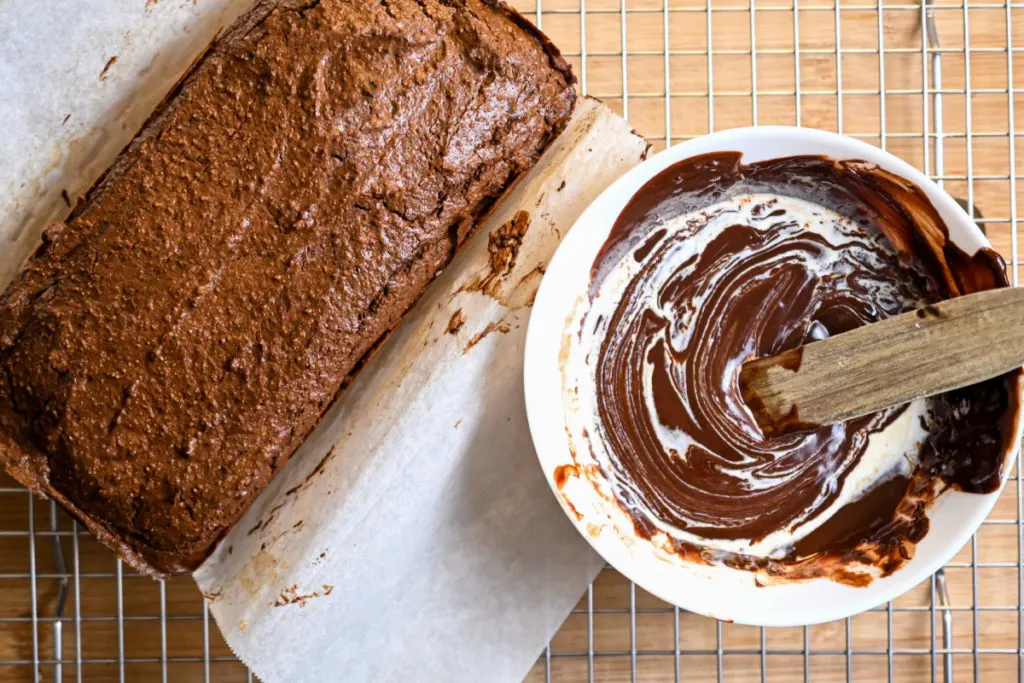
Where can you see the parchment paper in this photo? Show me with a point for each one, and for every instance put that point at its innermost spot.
(413, 537)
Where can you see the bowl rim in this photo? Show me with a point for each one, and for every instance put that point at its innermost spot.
(705, 596)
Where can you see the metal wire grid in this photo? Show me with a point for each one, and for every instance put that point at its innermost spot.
(79, 622)
(84, 621)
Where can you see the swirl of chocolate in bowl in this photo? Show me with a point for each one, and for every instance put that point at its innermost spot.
(714, 262)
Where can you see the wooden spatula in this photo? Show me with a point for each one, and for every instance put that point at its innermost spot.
(937, 348)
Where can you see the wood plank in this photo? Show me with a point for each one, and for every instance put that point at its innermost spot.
(889, 363)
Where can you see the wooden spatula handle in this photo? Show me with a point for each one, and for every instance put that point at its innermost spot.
(934, 349)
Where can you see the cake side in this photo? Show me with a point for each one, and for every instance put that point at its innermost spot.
(170, 346)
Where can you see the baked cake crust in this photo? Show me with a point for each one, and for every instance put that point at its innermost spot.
(170, 345)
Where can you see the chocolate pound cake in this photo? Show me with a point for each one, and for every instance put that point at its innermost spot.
(172, 343)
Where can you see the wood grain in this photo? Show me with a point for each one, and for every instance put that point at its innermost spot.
(937, 348)
(834, 93)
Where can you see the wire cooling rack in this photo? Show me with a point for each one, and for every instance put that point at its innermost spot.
(935, 84)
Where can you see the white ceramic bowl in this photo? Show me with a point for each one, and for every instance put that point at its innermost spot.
(719, 592)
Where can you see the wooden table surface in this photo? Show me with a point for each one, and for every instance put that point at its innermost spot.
(612, 620)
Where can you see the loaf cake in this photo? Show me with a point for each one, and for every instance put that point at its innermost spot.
(173, 342)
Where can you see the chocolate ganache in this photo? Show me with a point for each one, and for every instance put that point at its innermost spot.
(714, 262)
